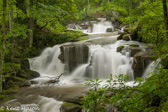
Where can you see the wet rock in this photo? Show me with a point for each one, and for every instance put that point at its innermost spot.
(119, 49)
(25, 84)
(84, 26)
(120, 37)
(76, 100)
(27, 72)
(126, 37)
(33, 74)
(70, 107)
(141, 61)
(134, 49)
(109, 30)
(134, 45)
(74, 55)
(34, 82)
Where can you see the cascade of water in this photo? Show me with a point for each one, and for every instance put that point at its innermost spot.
(93, 27)
(130, 38)
(48, 62)
(151, 68)
(122, 29)
(101, 27)
(103, 61)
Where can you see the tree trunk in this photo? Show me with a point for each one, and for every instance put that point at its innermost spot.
(165, 17)
(31, 22)
(31, 33)
(3, 42)
(88, 8)
(10, 28)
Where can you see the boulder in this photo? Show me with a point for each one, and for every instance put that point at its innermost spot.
(109, 30)
(34, 81)
(120, 37)
(75, 100)
(33, 74)
(74, 55)
(141, 61)
(27, 72)
(84, 26)
(134, 49)
(70, 107)
(25, 84)
(134, 45)
(119, 49)
(126, 37)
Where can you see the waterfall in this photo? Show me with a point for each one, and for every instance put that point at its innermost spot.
(150, 68)
(48, 62)
(93, 27)
(101, 27)
(105, 60)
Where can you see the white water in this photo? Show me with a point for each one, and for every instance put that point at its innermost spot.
(150, 68)
(94, 27)
(101, 27)
(48, 62)
(106, 61)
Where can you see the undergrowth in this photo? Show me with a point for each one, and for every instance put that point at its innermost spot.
(150, 95)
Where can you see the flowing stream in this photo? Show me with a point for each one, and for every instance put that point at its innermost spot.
(102, 60)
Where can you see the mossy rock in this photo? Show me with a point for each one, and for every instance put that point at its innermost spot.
(134, 45)
(126, 37)
(109, 30)
(127, 30)
(120, 37)
(3, 97)
(70, 107)
(119, 49)
(10, 92)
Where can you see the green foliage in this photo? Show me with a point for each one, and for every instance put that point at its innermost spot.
(150, 95)
(50, 15)
(98, 99)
